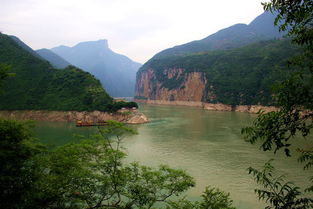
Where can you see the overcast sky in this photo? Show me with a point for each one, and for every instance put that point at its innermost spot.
(136, 28)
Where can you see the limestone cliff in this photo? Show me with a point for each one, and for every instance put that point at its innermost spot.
(177, 86)
(174, 84)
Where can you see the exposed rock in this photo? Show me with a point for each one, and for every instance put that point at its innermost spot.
(255, 108)
(174, 103)
(190, 85)
(138, 118)
(131, 116)
(217, 107)
(214, 107)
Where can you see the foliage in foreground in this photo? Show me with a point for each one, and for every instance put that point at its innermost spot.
(212, 198)
(294, 96)
(90, 174)
(276, 191)
(16, 152)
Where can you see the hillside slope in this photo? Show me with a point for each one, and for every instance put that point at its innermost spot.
(261, 28)
(55, 60)
(241, 76)
(116, 72)
(38, 86)
(235, 66)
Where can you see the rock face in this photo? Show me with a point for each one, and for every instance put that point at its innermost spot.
(212, 107)
(228, 67)
(174, 85)
(188, 91)
(130, 117)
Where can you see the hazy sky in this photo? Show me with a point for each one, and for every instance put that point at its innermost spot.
(135, 28)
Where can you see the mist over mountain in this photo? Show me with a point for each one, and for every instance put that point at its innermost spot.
(116, 72)
(260, 29)
(55, 60)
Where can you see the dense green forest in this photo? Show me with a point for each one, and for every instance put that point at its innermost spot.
(238, 76)
(35, 85)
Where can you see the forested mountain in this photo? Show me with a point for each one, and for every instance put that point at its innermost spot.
(36, 85)
(235, 66)
(55, 60)
(25, 47)
(116, 72)
(261, 28)
(241, 76)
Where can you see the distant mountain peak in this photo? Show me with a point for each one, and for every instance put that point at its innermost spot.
(102, 44)
(103, 41)
(116, 72)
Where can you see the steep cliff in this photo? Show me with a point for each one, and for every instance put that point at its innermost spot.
(172, 85)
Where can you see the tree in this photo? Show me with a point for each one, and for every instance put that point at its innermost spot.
(294, 96)
(16, 152)
(4, 72)
(87, 175)
(295, 17)
(276, 191)
(93, 174)
(212, 198)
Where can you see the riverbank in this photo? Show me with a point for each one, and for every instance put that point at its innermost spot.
(125, 116)
(213, 107)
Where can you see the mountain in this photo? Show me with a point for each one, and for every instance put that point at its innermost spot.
(235, 66)
(25, 47)
(261, 28)
(55, 60)
(36, 85)
(241, 76)
(116, 72)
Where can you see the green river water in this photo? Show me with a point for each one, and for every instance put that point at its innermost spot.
(207, 144)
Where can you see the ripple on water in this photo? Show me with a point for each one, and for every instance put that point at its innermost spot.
(208, 145)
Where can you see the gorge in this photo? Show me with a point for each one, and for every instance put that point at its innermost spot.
(225, 73)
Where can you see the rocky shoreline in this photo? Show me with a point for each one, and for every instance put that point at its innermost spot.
(210, 106)
(125, 116)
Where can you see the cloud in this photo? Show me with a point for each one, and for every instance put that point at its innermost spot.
(136, 28)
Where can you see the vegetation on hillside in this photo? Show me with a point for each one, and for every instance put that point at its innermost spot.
(238, 76)
(36, 85)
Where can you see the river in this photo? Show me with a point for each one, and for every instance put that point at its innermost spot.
(207, 144)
